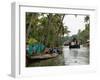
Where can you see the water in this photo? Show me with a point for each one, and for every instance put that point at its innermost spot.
(76, 56)
(67, 58)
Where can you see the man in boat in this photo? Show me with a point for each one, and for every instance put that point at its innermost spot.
(74, 44)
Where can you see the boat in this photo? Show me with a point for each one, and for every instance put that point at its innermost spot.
(74, 45)
(42, 56)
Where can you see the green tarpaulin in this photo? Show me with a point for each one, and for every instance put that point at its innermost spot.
(35, 48)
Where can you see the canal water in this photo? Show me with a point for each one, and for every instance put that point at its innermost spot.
(67, 58)
(76, 56)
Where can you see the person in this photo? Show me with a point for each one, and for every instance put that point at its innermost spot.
(74, 44)
(77, 44)
(46, 51)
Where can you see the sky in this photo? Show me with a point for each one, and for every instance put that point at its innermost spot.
(74, 23)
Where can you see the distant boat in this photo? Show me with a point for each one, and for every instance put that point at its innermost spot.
(73, 45)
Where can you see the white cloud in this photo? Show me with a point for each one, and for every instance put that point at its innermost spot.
(74, 23)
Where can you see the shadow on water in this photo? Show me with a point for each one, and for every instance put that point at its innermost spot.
(57, 61)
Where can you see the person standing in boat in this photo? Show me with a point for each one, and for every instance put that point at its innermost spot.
(74, 44)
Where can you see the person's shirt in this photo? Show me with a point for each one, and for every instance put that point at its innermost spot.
(72, 43)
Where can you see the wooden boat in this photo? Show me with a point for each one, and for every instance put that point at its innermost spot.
(43, 56)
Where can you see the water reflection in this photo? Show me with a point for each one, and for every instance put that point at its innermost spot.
(76, 56)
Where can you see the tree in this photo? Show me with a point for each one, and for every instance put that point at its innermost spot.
(46, 28)
(84, 35)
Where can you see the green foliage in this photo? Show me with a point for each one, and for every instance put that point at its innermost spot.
(31, 41)
(46, 28)
(83, 36)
